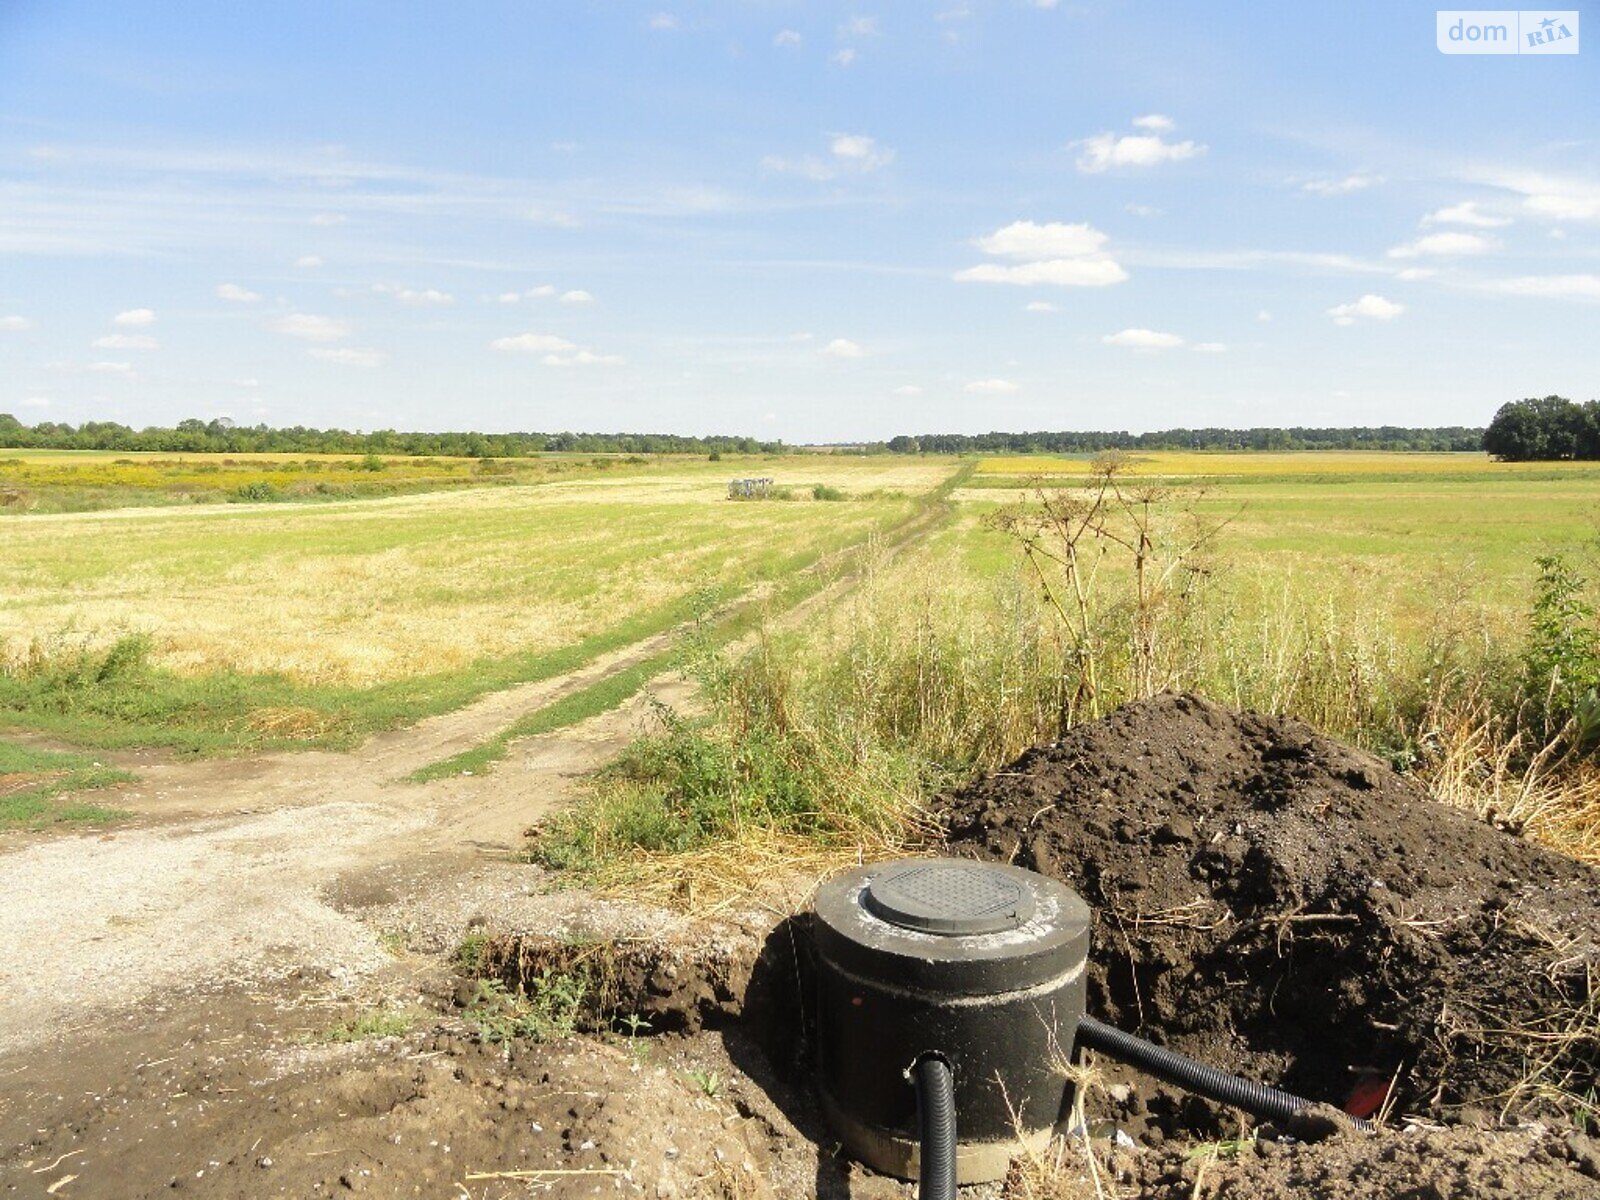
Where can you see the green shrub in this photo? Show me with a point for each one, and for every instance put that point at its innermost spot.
(1561, 663)
(822, 491)
(260, 490)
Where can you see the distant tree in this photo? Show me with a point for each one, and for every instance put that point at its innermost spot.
(1545, 429)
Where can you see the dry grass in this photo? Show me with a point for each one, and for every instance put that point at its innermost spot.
(1472, 763)
(367, 591)
(763, 868)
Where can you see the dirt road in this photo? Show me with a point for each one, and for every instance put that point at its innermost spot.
(240, 870)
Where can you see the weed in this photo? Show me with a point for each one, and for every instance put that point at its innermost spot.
(470, 954)
(823, 491)
(385, 1023)
(259, 491)
(1562, 660)
(549, 1010)
(709, 1082)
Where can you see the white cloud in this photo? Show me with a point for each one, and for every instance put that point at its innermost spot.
(663, 21)
(247, 383)
(842, 58)
(583, 358)
(110, 368)
(1551, 196)
(849, 152)
(349, 356)
(1340, 187)
(419, 297)
(1155, 123)
(1444, 244)
(1465, 213)
(843, 348)
(908, 389)
(1104, 151)
(1054, 253)
(35, 402)
(1375, 308)
(126, 341)
(788, 37)
(509, 297)
(537, 293)
(1029, 241)
(1143, 210)
(1263, 316)
(990, 387)
(1555, 287)
(861, 150)
(14, 324)
(1565, 207)
(309, 261)
(312, 328)
(1046, 5)
(1210, 347)
(135, 318)
(1143, 339)
(859, 27)
(1063, 272)
(576, 296)
(1039, 306)
(534, 343)
(1412, 274)
(324, 220)
(239, 295)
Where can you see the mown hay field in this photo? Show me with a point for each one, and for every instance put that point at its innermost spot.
(363, 591)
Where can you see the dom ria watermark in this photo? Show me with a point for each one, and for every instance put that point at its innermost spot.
(1483, 31)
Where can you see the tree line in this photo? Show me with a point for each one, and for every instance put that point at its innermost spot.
(1524, 430)
(1382, 437)
(224, 437)
(1540, 430)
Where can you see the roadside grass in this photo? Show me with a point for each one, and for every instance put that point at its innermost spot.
(33, 782)
(115, 699)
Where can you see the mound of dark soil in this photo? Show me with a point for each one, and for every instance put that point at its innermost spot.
(1450, 1164)
(1283, 906)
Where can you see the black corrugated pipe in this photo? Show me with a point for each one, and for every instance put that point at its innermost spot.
(936, 1128)
(1256, 1098)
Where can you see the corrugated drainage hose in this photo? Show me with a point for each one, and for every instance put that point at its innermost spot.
(1177, 1069)
(936, 1128)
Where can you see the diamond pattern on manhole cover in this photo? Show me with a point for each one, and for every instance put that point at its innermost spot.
(953, 891)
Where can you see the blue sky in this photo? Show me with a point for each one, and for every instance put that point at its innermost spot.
(819, 222)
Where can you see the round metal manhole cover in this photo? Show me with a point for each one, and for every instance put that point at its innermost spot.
(949, 898)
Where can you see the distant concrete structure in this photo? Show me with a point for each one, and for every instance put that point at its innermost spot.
(749, 489)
